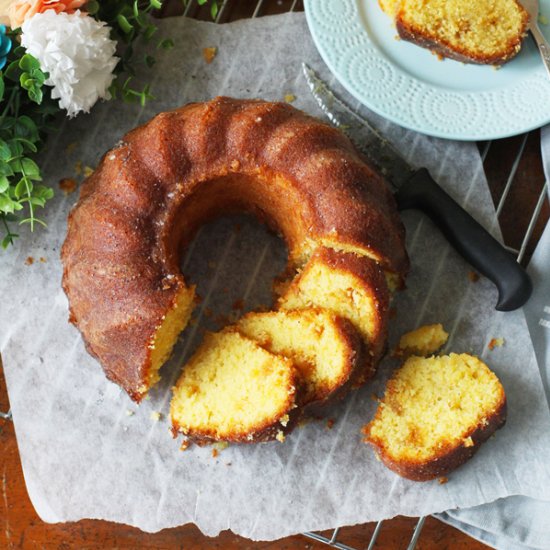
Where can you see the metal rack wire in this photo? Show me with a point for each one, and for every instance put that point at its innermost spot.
(193, 9)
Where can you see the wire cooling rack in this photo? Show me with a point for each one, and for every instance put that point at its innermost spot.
(515, 176)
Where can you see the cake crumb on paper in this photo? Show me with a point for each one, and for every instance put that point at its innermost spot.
(129, 412)
(442, 480)
(473, 276)
(155, 416)
(290, 98)
(330, 423)
(495, 343)
(29, 260)
(209, 53)
(67, 185)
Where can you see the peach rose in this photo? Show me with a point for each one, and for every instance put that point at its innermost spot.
(21, 10)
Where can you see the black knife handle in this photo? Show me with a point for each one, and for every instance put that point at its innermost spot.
(469, 238)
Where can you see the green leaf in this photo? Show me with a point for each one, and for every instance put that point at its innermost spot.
(16, 148)
(7, 240)
(39, 76)
(28, 62)
(155, 4)
(6, 205)
(13, 71)
(31, 169)
(166, 44)
(27, 143)
(149, 61)
(26, 127)
(149, 31)
(124, 24)
(92, 7)
(23, 188)
(214, 10)
(2, 87)
(5, 152)
(36, 95)
(4, 183)
(43, 192)
(135, 8)
(5, 169)
(7, 122)
(32, 221)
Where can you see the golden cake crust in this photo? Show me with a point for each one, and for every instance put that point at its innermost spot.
(449, 456)
(150, 194)
(370, 278)
(462, 409)
(463, 53)
(314, 400)
(260, 427)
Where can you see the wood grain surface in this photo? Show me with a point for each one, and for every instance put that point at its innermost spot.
(21, 528)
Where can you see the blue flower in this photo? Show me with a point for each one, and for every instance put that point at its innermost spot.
(5, 46)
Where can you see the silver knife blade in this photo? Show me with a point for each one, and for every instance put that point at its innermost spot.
(377, 150)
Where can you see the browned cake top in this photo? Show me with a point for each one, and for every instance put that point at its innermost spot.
(150, 193)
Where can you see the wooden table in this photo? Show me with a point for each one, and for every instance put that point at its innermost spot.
(516, 160)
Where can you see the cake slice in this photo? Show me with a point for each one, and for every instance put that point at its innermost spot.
(351, 286)
(234, 390)
(424, 340)
(472, 31)
(325, 348)
(435, 414)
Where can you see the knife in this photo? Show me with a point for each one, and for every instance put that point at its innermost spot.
(415, 188)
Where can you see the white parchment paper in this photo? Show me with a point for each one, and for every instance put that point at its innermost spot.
(85, 456)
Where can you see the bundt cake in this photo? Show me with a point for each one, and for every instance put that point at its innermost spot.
(148, 196)
(472, 31)
(435, 414)
(351, 286)
(326, 348)
(234, 390)
(424, 340)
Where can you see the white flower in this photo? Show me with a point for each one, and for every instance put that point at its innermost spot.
(77, 52)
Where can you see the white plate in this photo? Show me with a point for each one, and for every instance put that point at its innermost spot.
(412, 87)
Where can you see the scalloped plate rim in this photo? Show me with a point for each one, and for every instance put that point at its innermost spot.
(322, 48)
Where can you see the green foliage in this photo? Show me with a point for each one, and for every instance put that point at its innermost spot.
(24, 117)
(27, 109)
(214, 7)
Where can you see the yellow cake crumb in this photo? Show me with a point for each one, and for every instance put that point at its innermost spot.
(129, 412)
(209, 54)
(290, 98)
(430, 409)
(424, 340)
(280, 436)
(495, 343)
(156, 416)
(87, 171)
